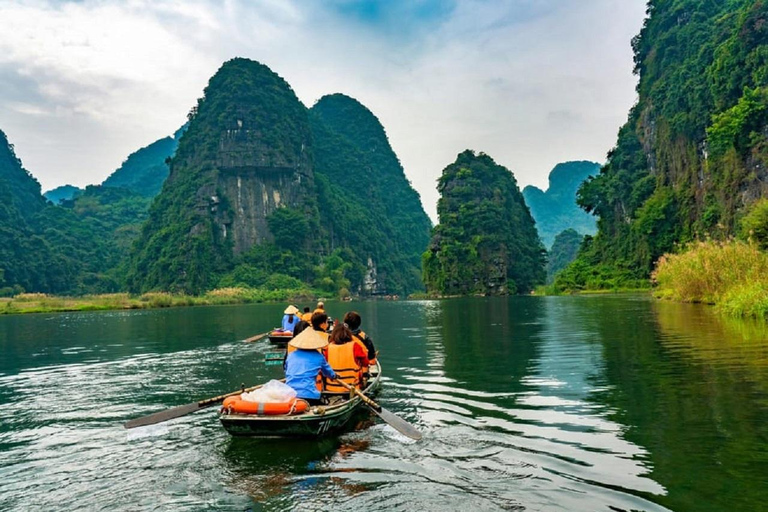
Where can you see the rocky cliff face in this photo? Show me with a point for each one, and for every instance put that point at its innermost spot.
(246, 153)
(694, 152)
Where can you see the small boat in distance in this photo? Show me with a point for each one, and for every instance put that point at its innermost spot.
(280, 337)
(312, 421)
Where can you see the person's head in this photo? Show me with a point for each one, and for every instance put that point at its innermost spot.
(320, 305)
(300, 327)
(308, 340)
(353, 320)
(319, 321)
(340, 334)
(306, 309)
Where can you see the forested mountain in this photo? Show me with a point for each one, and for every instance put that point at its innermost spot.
(63, 193)
(486, 240)
(71, 249)
(555, 209)
(366, 203)
(564, 250)
(22, 252)
(145, 170)
(261, 191)
(694, 151)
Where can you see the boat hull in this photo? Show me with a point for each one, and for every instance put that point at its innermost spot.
(275, 337)
(317, 422)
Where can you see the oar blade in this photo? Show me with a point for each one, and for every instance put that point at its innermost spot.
(256, 338)
(398, 423)
(165, 415)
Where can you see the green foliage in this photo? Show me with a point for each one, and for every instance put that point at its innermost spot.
(109, 238)
(486, 241)
(732, 275)
(754, 225)
(564, 250)
(556, 210)
(145, 170)
(694, 147)
(740, 124)
(182, 246)
(366, 203)
(289, 226)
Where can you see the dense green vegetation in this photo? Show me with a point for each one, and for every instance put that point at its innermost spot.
(73, 248)
(694, 151)
(345, 220)
(145, 170)
(183, 246)
(486, 241)
(366, 203)
(555, 209)
(732, 275)
(348, 220)
(564, 250)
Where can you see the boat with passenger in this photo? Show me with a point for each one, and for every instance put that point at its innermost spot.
(296, 418)
(280, 337)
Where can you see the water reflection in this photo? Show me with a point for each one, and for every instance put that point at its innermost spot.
(527, 403)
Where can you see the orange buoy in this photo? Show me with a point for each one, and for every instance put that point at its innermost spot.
(234, 404)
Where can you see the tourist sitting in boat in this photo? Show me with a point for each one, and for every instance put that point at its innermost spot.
(319, 324)
(303, 365)
(307, 316)
(290, 318)
(353, 321)
(320, 307)
(348, 357)
(300, 327)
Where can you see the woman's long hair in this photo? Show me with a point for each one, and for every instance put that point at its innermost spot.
(340, 334)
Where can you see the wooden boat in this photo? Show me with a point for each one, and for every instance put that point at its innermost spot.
(318, 420)
(280, 337)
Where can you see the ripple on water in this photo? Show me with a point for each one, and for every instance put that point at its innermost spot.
(529, 431)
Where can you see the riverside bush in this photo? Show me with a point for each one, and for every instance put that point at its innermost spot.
(732, 275)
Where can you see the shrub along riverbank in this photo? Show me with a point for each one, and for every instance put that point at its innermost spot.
(731, 275)
(42, 303)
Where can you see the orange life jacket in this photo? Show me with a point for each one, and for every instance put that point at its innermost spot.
(307, 317)
(342, 360)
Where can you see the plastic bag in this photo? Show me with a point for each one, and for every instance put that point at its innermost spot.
(273, 391)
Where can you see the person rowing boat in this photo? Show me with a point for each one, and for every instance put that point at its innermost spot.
(303, 364)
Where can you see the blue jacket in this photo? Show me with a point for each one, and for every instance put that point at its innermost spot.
(301, 368)
(289, 326)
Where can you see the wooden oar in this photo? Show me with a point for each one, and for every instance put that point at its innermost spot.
(392, 419)
(256, 338)
(182, 410)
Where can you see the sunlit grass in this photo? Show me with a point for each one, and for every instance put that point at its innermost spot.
(43, 303)
(732, 275)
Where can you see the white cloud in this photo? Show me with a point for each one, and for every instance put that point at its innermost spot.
(530, 83)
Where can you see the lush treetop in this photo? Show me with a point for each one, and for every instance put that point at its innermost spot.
(486, 241)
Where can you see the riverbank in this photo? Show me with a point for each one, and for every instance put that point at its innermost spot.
(43, 303)
(732, 276)
(552, 290)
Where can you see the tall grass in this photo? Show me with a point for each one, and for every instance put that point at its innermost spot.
(42, 303)
(732, 275)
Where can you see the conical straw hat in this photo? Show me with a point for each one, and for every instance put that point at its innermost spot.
(309, 339)
(291, 310)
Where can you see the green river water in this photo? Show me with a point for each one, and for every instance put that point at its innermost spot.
(610, 403)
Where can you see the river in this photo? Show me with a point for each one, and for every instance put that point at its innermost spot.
(605, 403)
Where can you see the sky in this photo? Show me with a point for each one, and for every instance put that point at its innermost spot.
(529, 82)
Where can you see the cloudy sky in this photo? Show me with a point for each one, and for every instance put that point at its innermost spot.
(530, 82)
